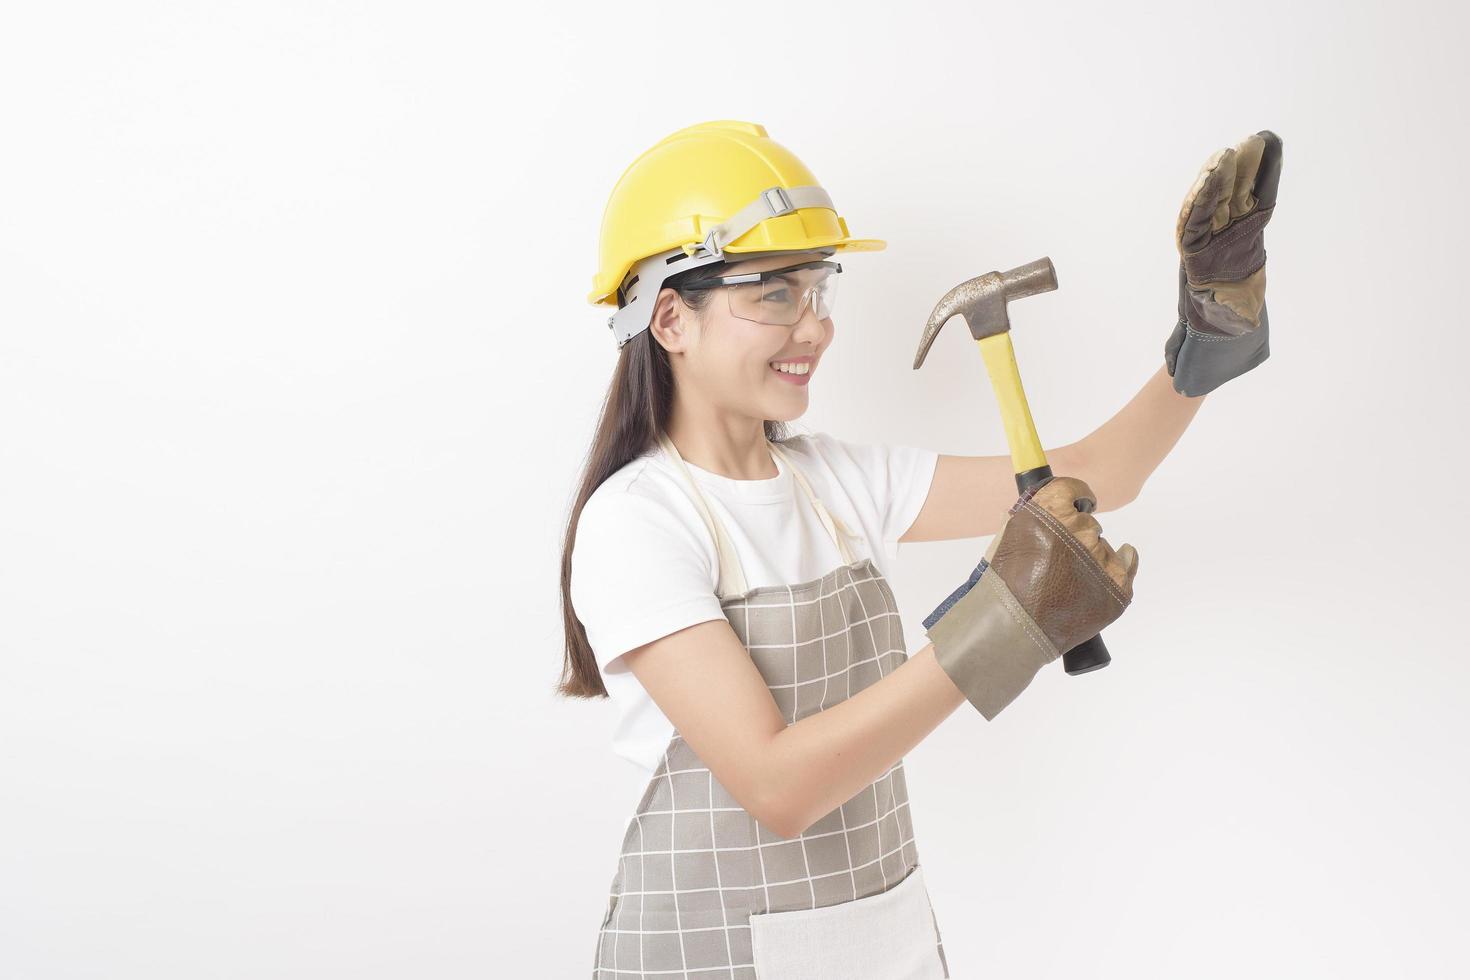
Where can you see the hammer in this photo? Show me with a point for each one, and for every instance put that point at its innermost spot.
(982, 302)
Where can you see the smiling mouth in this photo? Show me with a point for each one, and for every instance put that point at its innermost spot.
(794, 372)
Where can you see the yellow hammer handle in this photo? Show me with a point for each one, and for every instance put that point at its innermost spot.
(1015, 414)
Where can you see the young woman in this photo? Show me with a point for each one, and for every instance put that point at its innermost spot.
(723, 581)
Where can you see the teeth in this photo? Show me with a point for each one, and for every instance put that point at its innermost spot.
(802, 368)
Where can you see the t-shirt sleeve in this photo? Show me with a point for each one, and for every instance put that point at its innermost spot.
(898, 478)
(639, 572)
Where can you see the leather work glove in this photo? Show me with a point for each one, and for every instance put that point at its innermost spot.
(1048, 582)
(1222, 327)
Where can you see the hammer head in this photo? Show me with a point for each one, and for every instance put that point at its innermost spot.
(982, 301)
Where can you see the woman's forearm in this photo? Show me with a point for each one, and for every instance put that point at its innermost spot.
(1121, 454)
(826, 758)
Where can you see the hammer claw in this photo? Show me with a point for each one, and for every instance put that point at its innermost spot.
(947, 307)
(982, 301)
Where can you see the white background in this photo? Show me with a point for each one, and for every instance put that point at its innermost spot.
(297, 375)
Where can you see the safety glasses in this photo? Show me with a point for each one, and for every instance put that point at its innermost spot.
(778, 296)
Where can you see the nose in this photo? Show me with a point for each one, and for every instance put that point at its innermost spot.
(809, 328)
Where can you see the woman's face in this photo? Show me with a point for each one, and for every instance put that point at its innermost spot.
(732, 362)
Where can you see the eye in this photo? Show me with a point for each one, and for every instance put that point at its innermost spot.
(778, 295)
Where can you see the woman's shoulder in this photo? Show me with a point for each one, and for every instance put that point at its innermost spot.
(829, 452)
(846, 456)
(644, 477)
(877, 476)
(810, 445)
(642, 500)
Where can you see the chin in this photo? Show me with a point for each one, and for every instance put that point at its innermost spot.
(787, 414)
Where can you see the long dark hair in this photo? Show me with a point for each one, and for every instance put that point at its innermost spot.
(634, 412)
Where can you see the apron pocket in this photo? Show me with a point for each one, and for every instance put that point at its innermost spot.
(888, 936)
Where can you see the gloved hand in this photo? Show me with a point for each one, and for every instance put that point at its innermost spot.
(1048, 582)
(1222, 327)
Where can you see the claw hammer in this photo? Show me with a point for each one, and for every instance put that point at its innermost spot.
(982, 302)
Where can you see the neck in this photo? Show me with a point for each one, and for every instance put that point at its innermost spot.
(731, 446)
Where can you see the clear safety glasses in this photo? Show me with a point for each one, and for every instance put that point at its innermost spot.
(778, 296)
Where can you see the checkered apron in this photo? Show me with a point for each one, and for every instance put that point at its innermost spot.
(702, 890)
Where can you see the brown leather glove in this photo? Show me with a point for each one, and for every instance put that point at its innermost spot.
(1223, 330)
(1048, 582)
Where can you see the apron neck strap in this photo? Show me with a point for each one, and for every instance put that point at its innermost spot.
(836, 530)
(731, 572)
(732, 576)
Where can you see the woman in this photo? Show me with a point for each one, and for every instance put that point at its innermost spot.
(723, 582)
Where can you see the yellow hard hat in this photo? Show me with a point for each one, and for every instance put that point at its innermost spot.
(708, 189)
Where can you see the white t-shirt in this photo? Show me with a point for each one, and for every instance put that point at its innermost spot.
(644, 564)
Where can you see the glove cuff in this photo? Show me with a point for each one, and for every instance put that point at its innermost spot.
(1201, 362)
(987, 643)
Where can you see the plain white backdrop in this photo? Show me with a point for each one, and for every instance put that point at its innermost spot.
(296, 379)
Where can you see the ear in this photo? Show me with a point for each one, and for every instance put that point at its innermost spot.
(669, 324)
